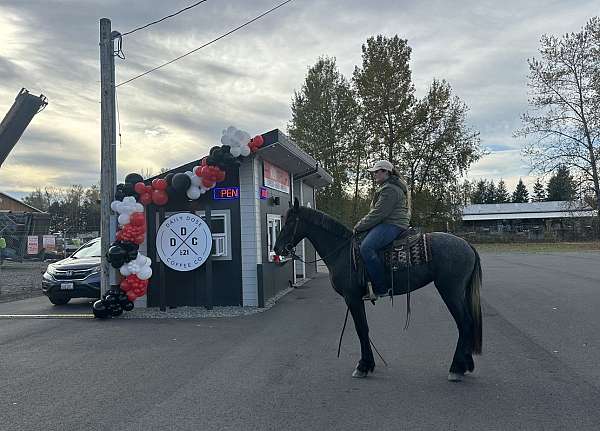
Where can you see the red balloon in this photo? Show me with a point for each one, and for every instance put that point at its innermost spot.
(207, 183)
(131, 295)
(160, 197)
(119, 236)
(203, 161)
(146, 198)
(221, 176)
(205, 171)
(137, 219)
(139, 187)
(258, 141)
(125, 286)
(139, 239)
(159, 184)
(198, 171)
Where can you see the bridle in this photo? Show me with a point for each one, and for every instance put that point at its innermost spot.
(292, 249)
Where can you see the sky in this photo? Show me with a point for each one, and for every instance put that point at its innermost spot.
(177, 113)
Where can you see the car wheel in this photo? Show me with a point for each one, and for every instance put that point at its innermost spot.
(59, 299)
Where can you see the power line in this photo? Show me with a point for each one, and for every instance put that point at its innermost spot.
(162, 19)
(205, 45)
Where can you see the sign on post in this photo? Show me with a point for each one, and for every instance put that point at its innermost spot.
(184, 242)
(32, 244)
(49, 243)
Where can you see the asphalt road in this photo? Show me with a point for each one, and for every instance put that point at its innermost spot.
(278, 370)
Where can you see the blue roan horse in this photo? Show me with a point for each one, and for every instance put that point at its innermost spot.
(454, 268)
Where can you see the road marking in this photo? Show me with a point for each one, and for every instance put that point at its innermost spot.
(46, 316)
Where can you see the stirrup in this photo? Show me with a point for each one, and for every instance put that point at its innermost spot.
(370, 295)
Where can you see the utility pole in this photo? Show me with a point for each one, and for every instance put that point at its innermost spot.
(108, 159)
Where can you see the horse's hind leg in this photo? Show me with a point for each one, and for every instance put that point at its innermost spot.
(453, 295)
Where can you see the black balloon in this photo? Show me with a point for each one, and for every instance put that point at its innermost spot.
(171, 192)
(181, 182)
(210, 160)
(116, 255)
(133, 178)
(116, 310)
(169, 178)
(214, 150)
(128, 306)
(120, 192)
(99, 309)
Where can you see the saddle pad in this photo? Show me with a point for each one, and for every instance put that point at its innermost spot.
(413, 251)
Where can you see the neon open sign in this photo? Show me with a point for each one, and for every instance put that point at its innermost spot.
(226, 193)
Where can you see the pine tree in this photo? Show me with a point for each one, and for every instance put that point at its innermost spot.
(490, 193)
(561, 186)
(502, 195)
(520, 195)
(539, 193)
(478, 194)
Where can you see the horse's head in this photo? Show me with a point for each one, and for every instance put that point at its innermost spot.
(291, 233)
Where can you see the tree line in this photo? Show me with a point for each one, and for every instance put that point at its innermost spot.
(560, 187)
(348, 123)
(72, 210)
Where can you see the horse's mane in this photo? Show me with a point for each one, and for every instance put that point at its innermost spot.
(327, 222)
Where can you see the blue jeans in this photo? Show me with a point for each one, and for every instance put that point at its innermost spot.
(377, 238)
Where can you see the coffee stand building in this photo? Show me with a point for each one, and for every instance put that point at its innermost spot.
(244, 214)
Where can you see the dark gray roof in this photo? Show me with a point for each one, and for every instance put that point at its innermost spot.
(529, 207)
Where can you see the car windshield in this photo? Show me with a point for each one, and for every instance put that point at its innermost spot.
(91, 249)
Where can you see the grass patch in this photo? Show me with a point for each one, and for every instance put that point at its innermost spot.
(542, 247)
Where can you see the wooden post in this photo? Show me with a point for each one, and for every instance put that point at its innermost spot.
(161, 268)
(208, 263)
(108, 160)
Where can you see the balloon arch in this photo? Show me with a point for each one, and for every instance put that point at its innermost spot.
(130, 199)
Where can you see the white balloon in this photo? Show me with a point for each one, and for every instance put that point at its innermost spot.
(129, 200)
(148, 261)
(189, 174)
(124, 270)
(123, 219)
(235, 151)
(245, 150)
(139, 208)
(246, 137)
(114, 205)
(202, 191)
(140, 259)
(193, 193)
(145, 273)
(196, 180)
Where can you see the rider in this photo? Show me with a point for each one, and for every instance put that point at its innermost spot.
(388, 217)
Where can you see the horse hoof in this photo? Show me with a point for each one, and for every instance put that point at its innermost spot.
(358, 374)
(455, 377)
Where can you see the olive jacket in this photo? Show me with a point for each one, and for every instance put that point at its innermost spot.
(390, 205)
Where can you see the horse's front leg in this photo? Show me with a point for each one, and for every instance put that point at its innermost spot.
(359, 315)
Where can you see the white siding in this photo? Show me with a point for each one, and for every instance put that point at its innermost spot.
(250, 226)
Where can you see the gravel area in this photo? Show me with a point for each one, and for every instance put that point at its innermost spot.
(20, 280)
(201, 312)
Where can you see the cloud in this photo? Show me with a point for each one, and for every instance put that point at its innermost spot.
(176, 114)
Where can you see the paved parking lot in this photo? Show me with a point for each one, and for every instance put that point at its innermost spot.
(278, 370)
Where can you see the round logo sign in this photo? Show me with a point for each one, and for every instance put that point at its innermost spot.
(184, 242)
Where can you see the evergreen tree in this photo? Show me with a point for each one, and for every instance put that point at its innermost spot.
(479, 193)
(561, 186)
(520, 195)
(490, 193)
(502, 196)
(539, 193)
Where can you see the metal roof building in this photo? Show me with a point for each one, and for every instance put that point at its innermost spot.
(529, 210)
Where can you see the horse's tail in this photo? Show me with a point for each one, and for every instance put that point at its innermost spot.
(474, 301)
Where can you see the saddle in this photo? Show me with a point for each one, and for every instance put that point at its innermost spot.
(408, 249)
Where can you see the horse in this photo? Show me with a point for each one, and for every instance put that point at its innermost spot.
(454, 268)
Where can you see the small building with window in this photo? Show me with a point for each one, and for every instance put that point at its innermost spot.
(246, 211)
